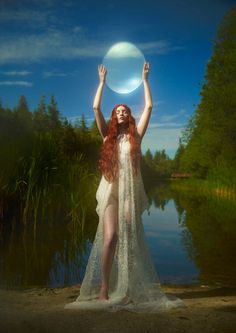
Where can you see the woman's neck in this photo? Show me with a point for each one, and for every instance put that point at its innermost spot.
(123, 129)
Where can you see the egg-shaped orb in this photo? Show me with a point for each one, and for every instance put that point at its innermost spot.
(124, 63)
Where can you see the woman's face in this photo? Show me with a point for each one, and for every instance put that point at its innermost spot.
(122, 114)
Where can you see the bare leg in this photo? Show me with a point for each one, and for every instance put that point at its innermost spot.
(109, 245)
(127, 210)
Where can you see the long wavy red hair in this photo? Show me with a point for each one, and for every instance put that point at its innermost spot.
(108, 162)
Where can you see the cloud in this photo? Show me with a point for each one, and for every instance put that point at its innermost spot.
(88, 120)
(162, 138)
(174, 120)
(182, 111)
(164, 120)
(25, 16)
(77, 29)
(137, 109)
(27, 3)
(56, 73)
(159, 47)
(56, 44)
(16, 83)
(157, 103)
(165, 133)
(50, 45)
(16, 73)
(168, 117)
(166, 125)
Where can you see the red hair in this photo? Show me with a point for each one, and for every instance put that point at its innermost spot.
(108, 162)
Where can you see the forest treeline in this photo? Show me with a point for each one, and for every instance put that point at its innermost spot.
(207, 147)
(44, 158)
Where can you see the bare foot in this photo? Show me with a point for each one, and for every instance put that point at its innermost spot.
(103, 294)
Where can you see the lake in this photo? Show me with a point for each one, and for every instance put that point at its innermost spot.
(192, 239)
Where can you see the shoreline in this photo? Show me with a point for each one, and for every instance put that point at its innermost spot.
(209, 309)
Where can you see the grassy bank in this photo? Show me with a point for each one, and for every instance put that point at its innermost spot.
(207, 187)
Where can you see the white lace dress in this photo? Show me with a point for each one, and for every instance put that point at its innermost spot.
(134, 284)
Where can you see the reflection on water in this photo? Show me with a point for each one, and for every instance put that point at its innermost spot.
(164, 236)
(191, 239)
(211, 226)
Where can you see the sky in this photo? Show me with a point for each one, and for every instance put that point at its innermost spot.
(54, 47)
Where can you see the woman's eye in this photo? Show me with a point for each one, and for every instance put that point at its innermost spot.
(120, 111)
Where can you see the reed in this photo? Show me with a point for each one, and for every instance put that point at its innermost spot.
(80, 193)
(220, 182)
(49, 186)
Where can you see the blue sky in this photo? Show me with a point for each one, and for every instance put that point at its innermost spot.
(54, 47)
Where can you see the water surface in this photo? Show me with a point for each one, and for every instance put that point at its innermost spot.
(192, 239)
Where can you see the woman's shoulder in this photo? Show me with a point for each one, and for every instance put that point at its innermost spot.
(127, 136)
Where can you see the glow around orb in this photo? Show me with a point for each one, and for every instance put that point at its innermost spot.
(124, 64)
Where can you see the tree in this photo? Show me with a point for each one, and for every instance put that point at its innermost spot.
(179, 153)
(210, 136)
(94, 132)
(40, 117)
(148, 157)
(187, 133)
(81, 125)
(22, 112)
(54, 114)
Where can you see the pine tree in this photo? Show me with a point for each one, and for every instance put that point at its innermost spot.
(54, 114)
(211, 137)
(94, 132)
(148, 157)
(40, 117)
(157, 157)
(22, 112)
(81, 124)
(178, 155)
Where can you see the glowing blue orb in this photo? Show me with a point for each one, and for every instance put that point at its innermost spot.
(124, 63)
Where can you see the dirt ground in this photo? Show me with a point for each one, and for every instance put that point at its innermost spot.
(209, 309)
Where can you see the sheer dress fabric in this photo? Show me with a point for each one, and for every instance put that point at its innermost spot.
(134, 284)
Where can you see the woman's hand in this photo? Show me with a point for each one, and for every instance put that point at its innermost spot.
(102, 72)
(145, 72)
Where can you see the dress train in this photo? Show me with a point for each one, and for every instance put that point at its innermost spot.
(134, 284)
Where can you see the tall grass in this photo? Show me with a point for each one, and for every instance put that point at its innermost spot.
(220, 182)
(49, 186)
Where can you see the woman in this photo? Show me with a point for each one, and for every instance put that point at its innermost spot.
(120, 273)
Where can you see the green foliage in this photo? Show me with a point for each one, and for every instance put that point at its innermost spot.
(54, 114)
(94, 132)
(210, 136)
(40, 117)
(178, 156)
(156, 166)
(43, 159)
(208, 232)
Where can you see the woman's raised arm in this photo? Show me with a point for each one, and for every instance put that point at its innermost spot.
(101, 123)
(144, 120)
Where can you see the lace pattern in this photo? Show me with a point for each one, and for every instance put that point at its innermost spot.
(134, 284)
